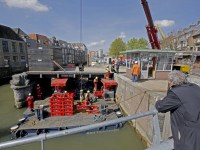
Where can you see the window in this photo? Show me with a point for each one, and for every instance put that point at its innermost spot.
(14, 47)
(7, 60)
(21, 48)
(164, 61)
(41, 41)
(198, 48)
(28, 44)
(15, 58)
(144, 61)
(191, 48)
(5, 46)
(23, 59)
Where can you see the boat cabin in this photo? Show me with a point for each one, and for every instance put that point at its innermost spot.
(154, 64)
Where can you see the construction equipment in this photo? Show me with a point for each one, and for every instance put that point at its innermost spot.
(183, 68)
(161, 33)
(151, 29)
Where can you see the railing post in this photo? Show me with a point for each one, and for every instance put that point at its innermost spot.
(42, 144)
(157, 135)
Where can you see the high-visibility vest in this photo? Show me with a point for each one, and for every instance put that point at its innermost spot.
(136, 69)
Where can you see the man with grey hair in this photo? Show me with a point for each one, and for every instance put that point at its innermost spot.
(183, 101)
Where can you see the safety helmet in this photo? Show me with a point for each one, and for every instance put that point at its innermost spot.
(96, 77)
(38, 85)
(136, 62)
(113, 64)
(65, 91)
(29, 94)
(107, 65)
(81, 90)
(88, 91)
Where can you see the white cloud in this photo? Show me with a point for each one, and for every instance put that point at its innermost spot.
(27, 4)
(102, 42)
(165, 23)
(123, 35)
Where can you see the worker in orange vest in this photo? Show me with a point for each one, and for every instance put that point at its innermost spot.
(87, 97)
(30, 100)
(135, 71)
(107, 73)
(95, 83)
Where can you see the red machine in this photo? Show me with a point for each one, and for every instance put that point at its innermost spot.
(107, 85)
(151, 29)
(59, 84)
(71, 65)
(62, 104)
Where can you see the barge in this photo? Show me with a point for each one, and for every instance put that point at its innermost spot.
(64, 109)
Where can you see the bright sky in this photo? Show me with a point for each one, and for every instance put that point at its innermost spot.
(102, 20)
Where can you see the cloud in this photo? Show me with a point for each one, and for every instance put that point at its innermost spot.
(165, 23)
(26, 4)
(102, 42)
(122, 35)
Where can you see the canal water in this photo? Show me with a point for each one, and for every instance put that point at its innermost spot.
(123, 139)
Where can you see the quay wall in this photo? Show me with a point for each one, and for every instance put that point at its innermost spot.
(21, 87)
(138, 104)
(144, 126)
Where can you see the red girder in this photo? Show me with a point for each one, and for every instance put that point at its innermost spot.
(151, 29)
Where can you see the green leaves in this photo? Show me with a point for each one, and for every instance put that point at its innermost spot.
(116, 47)
(140, 43)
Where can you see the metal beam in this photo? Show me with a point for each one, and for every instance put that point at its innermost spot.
(45, 136)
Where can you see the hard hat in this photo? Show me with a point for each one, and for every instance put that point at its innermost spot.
(38, 85)
(107, 65)
(88, 91)
(65, 91)
(113, 64)
(96, 77)
(136, 62)
(81, 90)
(29, 94)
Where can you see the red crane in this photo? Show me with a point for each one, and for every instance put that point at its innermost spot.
(151, 29)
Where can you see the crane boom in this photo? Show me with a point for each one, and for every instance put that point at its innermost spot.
(151, 29)
(161, 33)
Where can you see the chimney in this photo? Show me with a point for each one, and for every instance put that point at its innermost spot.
(185, 29)
(198, 23)
(179, 32)
(191, 26)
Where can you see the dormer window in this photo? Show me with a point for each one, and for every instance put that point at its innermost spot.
(41, 41)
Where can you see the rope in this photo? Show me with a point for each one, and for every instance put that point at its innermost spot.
(141, 93)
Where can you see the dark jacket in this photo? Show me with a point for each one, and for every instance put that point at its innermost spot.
(184, 104)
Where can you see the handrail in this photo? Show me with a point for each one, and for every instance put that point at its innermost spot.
(42, 137)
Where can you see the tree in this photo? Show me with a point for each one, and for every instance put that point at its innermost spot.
(116, 47)
(134, 43)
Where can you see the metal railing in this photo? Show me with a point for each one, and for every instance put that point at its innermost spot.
(40, 138)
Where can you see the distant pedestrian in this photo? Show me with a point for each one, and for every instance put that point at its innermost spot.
(117, 67)
(183, 102)
(135, 71)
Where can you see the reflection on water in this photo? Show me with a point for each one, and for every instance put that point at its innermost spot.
(123, 139)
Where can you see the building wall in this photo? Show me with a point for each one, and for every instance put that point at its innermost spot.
(16, 66)
(144, 125)
(162, 75)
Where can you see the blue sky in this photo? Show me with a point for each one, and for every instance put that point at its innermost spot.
(102, 20)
